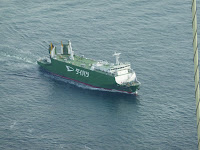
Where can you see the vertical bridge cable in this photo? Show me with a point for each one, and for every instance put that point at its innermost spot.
(196, 67)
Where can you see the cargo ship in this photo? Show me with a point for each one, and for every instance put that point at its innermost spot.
(116, 77)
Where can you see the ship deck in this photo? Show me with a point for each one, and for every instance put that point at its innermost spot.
(82, 62)
(78, 61)
(90, 64)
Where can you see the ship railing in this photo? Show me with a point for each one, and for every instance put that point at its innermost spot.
(127, 63)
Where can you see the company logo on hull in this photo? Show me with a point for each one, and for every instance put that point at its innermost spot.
(78, 71)
(69, 68)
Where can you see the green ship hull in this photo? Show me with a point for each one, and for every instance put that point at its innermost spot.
(82, 70)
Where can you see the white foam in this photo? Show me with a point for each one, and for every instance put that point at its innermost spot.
(20, 58)
(13, 125)
(87, 148)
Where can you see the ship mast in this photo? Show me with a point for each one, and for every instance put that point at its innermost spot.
(196, 67)
(70, 51)
(117, 57)
(61, 47)
(53, 51)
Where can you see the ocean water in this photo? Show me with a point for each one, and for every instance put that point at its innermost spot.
(40, 111)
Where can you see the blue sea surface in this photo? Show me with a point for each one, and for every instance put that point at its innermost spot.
(41, 111)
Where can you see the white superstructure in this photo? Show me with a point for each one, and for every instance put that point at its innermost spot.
(122, 71)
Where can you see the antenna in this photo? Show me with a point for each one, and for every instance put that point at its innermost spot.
(61, 47)
(117, 57)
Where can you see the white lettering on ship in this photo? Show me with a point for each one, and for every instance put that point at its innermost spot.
(78, 71)
(82, 73)
(69, 68)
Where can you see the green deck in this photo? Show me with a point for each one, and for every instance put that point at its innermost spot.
(82, 62)
(78, 61)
